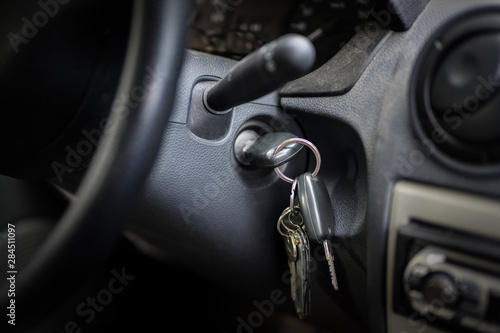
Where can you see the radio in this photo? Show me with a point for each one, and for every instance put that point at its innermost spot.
(455, 288)
(443, 261)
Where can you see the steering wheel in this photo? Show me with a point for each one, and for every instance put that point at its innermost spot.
(86, 231)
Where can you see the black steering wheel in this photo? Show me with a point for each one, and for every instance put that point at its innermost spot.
(86, 231)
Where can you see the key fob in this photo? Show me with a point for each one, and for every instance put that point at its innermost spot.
(316, 207)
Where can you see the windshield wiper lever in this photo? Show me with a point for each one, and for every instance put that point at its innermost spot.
(261, 72)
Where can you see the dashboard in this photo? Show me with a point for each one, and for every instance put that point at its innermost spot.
(405, 116)
(235, 28)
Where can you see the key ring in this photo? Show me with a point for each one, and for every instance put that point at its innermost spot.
(306, 143)
(292, 198)
(288, 212)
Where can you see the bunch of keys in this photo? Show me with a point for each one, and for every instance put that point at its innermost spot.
(291, 227)
(312, 218)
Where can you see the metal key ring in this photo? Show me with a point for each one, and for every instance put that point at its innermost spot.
(306, 143)
(286, 212)
(292, 198)
(292, 223)
(280, 224)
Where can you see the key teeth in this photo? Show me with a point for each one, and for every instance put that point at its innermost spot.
(331, 265)
(333, 276)
(335, 285)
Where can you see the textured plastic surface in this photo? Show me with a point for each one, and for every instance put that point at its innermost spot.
(377, 109)
(203, 123)
(339, 74)
(404, 12)
(201, 212)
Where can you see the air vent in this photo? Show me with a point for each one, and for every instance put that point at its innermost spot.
(456, 91)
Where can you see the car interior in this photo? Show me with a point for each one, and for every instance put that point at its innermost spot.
(297, 166)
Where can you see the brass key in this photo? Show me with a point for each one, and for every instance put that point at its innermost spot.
(290, 226)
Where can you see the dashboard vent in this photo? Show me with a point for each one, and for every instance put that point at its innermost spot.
(456, 91)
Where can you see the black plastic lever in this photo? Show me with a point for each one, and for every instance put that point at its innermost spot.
(261, 72)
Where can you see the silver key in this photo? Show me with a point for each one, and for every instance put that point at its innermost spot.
(296, 241)
(327, 246)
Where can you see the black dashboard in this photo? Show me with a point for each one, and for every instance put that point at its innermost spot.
(402, 104)
(235, 28)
